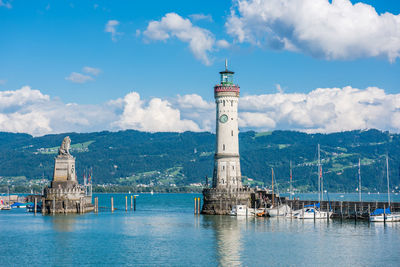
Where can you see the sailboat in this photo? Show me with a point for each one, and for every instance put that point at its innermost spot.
(279, 209)
(314, 211)
(385, 215)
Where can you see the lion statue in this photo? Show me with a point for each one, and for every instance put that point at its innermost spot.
(65, 146)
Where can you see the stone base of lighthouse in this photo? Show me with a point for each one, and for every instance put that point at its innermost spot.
(218, 201)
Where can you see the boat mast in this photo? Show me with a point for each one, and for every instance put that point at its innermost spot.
(387, 177)
(291, 188)
(273, 195)
(359, 179)
(319, 176)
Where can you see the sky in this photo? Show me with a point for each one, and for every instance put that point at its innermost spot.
(307, 65)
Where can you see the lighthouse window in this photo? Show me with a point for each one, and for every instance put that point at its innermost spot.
(231, 103)
(223, 168)
(233, 167)
(232, 132)
(224, 103)
(223, 147)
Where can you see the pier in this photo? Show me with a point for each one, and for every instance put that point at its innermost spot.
(345, 209)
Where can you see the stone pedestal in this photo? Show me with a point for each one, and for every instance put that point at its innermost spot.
(64, 169)
(65, 195)
(220, 201)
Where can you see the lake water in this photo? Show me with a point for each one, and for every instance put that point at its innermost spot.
(164, 231)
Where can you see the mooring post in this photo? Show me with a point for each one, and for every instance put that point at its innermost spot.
(355, 212)
(35, 207)
(112, 204)
(95, 205)
(341, 210)
(54, 205)
(348, 210)
(302, 211)
(384, 213)
(126, 203)
(369, 211)
(195, 208)
(134, 203)
(327, 212)
(131, 202)
(314, 212)
(43, 206)
(199, 206)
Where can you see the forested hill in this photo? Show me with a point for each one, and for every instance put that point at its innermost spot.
(177, 159)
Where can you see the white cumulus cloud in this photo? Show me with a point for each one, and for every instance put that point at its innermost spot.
(156, 116)
(76, 77)
(91, 70)
(322, 110)
(200, 40)
(223, 43)
(196, 17)
(111, 27)
(324, 29)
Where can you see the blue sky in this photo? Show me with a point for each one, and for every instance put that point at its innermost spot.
(45, 42)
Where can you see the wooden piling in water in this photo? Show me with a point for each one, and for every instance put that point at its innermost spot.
(195, 207)
(314, 213)
(341, 210)
(198, 206)
(369, 212)
(54, 206)
(134, 203)
(327, 212)
(126, 203)
(96, 205)
(384, 213)
(131, 202)
(355, 212)
(43, 206)
(112, 204)
(35, 207)
(302, 211)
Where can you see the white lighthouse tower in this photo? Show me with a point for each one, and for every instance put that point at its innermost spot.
(226, 160)
(227, 190)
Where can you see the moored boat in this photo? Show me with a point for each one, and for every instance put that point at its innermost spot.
(281, 210)
(311, 212)
(381, 215)
(243, 210)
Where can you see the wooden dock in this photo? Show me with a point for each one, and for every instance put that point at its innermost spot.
(345, 209)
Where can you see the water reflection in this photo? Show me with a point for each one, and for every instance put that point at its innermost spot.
(227, 238)
(63, 223)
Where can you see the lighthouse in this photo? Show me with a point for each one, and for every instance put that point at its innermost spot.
(226, 160)
(227, 190)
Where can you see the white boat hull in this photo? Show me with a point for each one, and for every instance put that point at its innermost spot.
(310, 214)
(389, 218)
(243, 210)
(283, 210)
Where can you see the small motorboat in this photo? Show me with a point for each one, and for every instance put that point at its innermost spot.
(18, 205)
(243, 210)
(311, 212)
(30, 207)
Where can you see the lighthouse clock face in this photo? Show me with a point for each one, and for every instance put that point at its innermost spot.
(223, 118)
